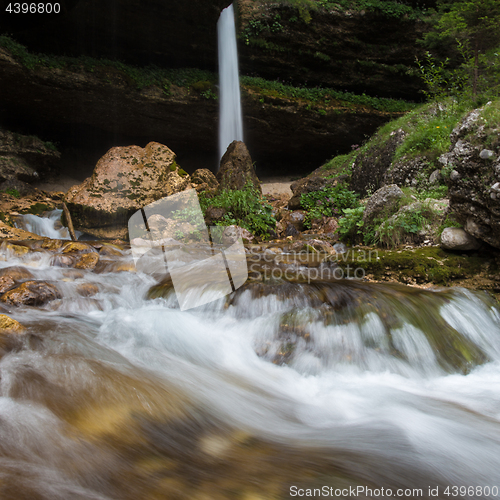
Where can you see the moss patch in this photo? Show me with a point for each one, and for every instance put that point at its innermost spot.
(422, 265)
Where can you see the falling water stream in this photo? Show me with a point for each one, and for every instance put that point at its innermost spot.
(230, 116)
(114, 393)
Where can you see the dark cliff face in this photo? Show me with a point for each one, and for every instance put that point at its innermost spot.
(166, 32)
(358, 51)
(93, 111)
(349, 50)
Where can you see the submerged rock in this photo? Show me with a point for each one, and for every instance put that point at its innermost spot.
(124, 180)
(31, 293)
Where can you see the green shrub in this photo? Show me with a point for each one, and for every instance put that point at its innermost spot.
(404, 225)
(449, 221)
(329, 202)
(13, 192)
(351, 224)
(244, 207)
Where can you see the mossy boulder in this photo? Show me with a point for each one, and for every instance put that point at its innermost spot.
(124, 180)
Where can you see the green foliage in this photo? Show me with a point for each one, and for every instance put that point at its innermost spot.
(13, 192)
(244, 207)
(329, 202)
(388, 8)
(435, 193)
(201, 86)
(209, 94)
(50, 145)
(474, 24)
(401, 227)
(449, 221)
(323, 96)
(341, 164)
(107, 70)
(440, 82)
(430, 137)
(351, 224)
(255, 27)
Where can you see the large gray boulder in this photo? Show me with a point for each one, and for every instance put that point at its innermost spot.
(383, 202)
(473, 181)
(455, 238)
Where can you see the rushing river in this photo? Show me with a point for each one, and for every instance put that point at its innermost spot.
(274, 392)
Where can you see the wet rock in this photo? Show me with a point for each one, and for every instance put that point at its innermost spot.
(87, 289)
(7, 231)
(11, 333)
(31, 293)
(111, 266)
(52, 245)
(455, 238)
(325, 225)
(9, 325)
(15, 250)
(231, 234)
(322, 246)
(6, 283)
(16, 273)
(204, 180)
(62, 260)
(236, 168)
(340, 248)
(295, 219)
(87, 261)
(110, 251)
(77, 247)
(382, 202)
(124, 180)
(291, 230)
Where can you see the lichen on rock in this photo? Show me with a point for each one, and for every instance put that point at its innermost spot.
(124, 180)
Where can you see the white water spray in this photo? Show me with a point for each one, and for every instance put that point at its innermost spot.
(230, 116)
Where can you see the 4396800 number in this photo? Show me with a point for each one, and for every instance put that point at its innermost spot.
(471, 491)
(33, 8)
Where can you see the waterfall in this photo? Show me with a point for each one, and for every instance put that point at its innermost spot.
(230, 120)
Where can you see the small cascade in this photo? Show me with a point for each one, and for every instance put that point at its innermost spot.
(49, 226)
(230, 115)
(113, 392)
